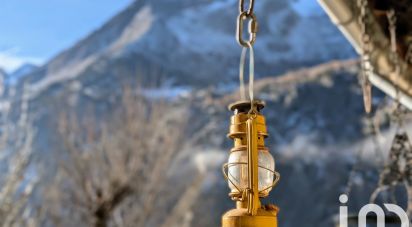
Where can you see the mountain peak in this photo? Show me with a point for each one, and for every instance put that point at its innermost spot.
(193, 45)
(21, 72)
(2, 73)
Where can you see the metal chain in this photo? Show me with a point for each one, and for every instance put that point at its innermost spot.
(366, 45)
(394, 173)
(392, 30)
(247, 15)
(242, 6)
(408, 178)
(408, 166)
(399, 165)
(399, 112)
(407, 155)
(373, 123)
(408, 56)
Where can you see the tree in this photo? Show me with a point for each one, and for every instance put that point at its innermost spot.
(113, 174)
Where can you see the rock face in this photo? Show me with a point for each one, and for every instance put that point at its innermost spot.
(19, 73)
(2, 72)
(185, 50)
(190, 43)
(3, 77)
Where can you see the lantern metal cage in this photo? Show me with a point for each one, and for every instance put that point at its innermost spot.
(238, 193)
(250, 170)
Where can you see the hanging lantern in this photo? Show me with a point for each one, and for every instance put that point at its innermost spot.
(250, 171)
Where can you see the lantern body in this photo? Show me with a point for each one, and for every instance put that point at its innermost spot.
(250, 170)
(238, 172)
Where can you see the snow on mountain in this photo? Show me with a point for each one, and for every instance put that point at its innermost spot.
(3, 76)
(21, 72)
(193, 43)
(2, 73)
(186, 50)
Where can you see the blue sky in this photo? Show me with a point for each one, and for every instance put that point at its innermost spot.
(36, 30)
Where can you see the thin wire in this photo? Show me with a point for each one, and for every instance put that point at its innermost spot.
(241, 74)
(251, 73)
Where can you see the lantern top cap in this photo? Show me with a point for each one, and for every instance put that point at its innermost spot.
(245, 105)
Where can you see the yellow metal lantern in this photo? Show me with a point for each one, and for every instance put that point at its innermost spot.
(250, 170)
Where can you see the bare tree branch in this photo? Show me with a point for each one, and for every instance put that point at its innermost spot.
(115, 171)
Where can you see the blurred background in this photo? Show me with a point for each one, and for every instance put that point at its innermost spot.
(114, 113)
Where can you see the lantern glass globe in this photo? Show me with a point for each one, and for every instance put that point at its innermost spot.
(238, 172)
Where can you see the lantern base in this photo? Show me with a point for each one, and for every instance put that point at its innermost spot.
(239, 217)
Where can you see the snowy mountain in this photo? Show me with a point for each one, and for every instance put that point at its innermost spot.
(192, 43)
(21, 72)
(186, 49)
(3, 73)
(3, 76)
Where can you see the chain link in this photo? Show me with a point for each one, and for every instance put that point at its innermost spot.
(244, 16)
(374, 131)
(393, 171)
(366, 45)
(400, 174)
(398, 112)
(394, 50)
(398, 168)
(408, 56)
(242, 6)
(252, 30)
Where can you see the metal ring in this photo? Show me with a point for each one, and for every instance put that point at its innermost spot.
(253, 27)
(276, 175)
(226, 166)
(242, 6)
(253, 112)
